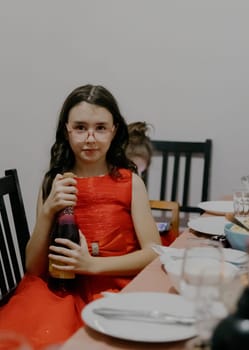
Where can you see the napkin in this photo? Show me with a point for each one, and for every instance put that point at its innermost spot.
(168, 254)
(232, 256)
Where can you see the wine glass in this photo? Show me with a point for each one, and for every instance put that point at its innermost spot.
(245, 181)
(203, 272)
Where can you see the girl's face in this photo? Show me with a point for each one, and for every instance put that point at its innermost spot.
(90, 132)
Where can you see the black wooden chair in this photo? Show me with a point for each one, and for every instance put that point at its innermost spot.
(174, 172)
(14, 234)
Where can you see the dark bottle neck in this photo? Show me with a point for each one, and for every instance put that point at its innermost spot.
(66, 216)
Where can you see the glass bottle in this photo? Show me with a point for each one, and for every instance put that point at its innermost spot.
(63, 282)
(233, 331)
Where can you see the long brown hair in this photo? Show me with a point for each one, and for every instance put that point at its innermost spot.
(62, 157)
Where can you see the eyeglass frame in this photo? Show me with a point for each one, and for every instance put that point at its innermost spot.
(86, 133)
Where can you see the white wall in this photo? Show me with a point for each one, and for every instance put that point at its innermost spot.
(180, 65)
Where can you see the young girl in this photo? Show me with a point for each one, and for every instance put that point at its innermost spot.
(111, 209)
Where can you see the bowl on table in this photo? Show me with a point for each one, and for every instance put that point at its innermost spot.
(237, 236)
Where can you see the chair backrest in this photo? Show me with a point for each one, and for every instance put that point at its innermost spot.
(168, 206)
(176, 158)
(14, 234)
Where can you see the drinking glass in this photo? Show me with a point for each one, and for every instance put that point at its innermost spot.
(201, 280)
(233, 288)
(245, 181)
(241, 202)
(13, 341)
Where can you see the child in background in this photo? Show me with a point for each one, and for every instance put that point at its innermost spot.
(140, 150)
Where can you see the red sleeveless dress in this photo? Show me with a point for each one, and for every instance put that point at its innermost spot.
(103, 214)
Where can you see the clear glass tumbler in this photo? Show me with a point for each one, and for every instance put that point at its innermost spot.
(203, 272)
(241, 202)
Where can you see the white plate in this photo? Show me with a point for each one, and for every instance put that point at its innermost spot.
(232, 256)
(217, 207)
(138, 330)
(211, 225)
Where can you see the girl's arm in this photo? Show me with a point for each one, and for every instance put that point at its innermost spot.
(62, 194)
(79, 259)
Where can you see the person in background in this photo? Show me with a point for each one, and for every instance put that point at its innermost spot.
(111, 208)
(139, 150)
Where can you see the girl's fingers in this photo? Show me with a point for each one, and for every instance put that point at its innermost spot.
(65, 242)
(83, 242)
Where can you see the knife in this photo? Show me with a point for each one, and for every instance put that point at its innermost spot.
(153, 316)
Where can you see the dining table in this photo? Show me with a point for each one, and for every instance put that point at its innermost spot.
(153, 278)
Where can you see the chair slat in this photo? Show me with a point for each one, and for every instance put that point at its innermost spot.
(164, 175)
(175, 176)
(186, 179)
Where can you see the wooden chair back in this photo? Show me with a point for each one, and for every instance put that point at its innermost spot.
(168, 206)
(14, 234)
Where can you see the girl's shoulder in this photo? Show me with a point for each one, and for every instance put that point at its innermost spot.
(127, 174)
(137, 181)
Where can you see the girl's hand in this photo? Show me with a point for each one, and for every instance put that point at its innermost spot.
(74, 257)
(63, 194)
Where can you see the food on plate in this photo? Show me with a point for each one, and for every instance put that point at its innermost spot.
(237, 228)
(244, 221)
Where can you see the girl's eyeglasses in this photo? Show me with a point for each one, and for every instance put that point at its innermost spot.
(83, 132)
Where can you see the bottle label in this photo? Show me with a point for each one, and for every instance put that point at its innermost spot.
(58, 273)
(68, 211)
